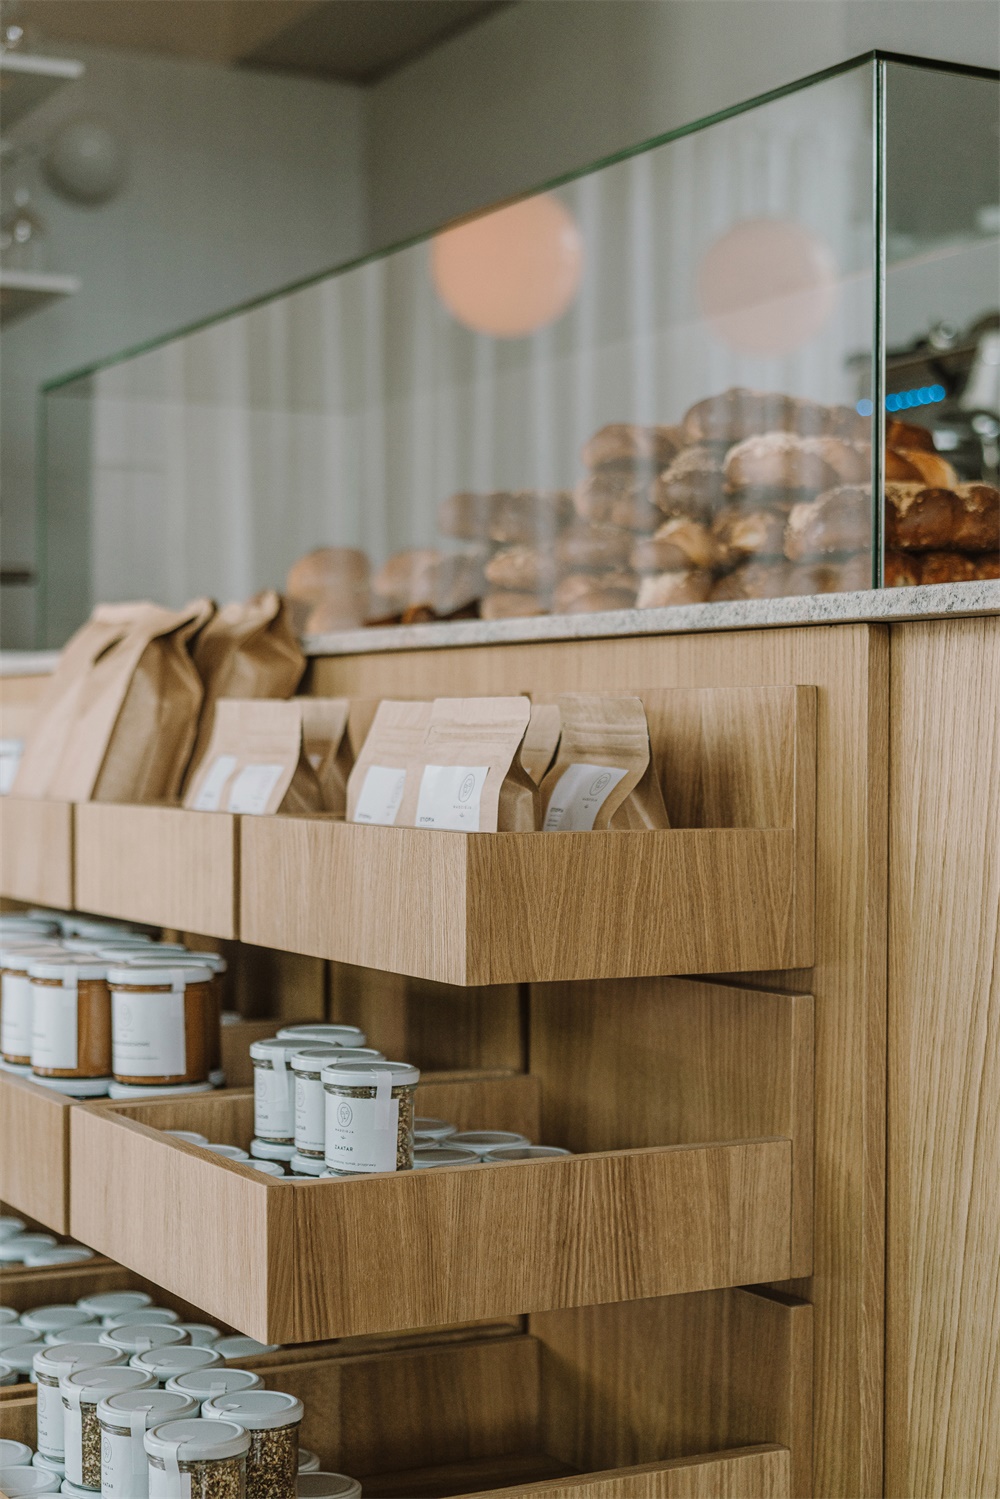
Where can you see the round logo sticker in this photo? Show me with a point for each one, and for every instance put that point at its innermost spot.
(467, 787)
(599, 784)
(344, 1113)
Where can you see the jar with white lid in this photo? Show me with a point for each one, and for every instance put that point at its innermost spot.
(114, 1303)
(21, 1358)
(10, 1224)
(82, 1392)
(141, 1314)
(202, 1384)
(369, 1116)
(45, 923)
(197, 1459)
(7, 1374)
(227, 1152)
(137, 1337)
(501, 1153)
(15, 998)
(201, 1334)
(58, 1254)
(270, 1150)
(124, 1420)
(167, 954)
(13, 1333)
(328, 1486)
(16, 1249)
(432, 1131)
(320, 1032)
(159, 1023)
(17, 1482)
(166, 1363)
(273, 1098)
(310, 1106)
(267, 1168)
(14, 1454)
(43, 1319)
(52, 1366)
(70, 1017)
(432, 1157)
(90, 1332)
(308, 1461)
(272, 1420)
(237, 1345)
(482, 1140)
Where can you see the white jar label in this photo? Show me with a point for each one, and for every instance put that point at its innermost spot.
(449, 797)
(169, 1484)
(50, 1421)
(252, 788)
(209, 798)
(123, 1467)
(310, 1115)
(147, 1035)
(15, 1016)
(361, 1133)
(73, 1443)
(580, 793)
(272, 1103)
(54, 1028)
(381, 795)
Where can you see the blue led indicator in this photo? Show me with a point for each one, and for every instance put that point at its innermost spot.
(906, 400)
(864, 408)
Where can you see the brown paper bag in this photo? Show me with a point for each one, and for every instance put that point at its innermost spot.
(256, 762)
(604, 775)
(542, 738)
(245, 651)
(391, 751)
(327, 747)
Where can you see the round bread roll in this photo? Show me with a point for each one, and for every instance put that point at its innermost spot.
(899, 434)
(406, 579)
(576, 586)
(527, 515)
(465, 516)
(948, 567)
(899, 469)
(902, 570)
(332, 614)
(457, 582)
(599, 601)
(977, 518)
(918, 518)
(753, 580)
(625, 443)
(512, 605)
(845, 421)
(693, 484)
(738, 413)
(988, 566)
(839, 520)
(601, 494)
(325, 571)
(932, 469)
(849, 575)
(583, 548)
(679, 543)
(776, 461)
(850, 461)
(687, 586)
(741, 534)
(525, 569)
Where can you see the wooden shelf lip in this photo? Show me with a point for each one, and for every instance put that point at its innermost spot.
(34, 1161)
(161, 865)
(336, 1258)
(762, 1472)
(36, 851)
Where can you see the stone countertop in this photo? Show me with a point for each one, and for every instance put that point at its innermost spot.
(875, 606)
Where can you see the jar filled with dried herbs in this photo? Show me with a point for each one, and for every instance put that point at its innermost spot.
(51, 1366)
(369, 1116)
(272, 1421)
(82, 1392)
(124, 1420)
(197, 1459)
(273, 1095)
(310, 1112)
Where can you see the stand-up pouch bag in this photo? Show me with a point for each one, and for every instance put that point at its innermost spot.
(604, 776)
(470, 778)
(256, 763)
(327, 747)
(391, 753)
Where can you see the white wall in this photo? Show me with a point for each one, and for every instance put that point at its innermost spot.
(239, 183)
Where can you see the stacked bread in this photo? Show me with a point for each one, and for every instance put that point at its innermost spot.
(517, 533)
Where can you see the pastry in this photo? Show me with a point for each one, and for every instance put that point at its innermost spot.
(525, 569)
(687, 586)
(464, 516)
(693, 484)
(948, 567)
(908, 435)
(527, 515)
(850, 461)
(988, 565)
(735, 414)
(740, 534)
(977, 518)
(850, 575)
(679, 543)
(636, 447)
(932, 468)
(753, 580)
(780, 461)
(844, 421)
(581, 547)
(902, 570)
(599, 601)
(457, 581)
(919, 519)
(575, 586)
(328, 590)
(617, 496)
(511, 605)
(839, 520)
(899, 469)
(405, 579)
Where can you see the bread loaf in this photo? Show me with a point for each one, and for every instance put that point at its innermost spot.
(902, 570)
(678, 544)
(738, 413)
(527, 515)
(576, 586)
(977, 518)
(405, 579)
(693, 485)
(752, 580)
(900, 434)
(598, 601)
(919, 519)
(839, 520)
(465, 516)
(740, 534)
(585, 548)
(512, 605)
(689, 586)
(783, 461)
(618, 497)
(948, 567)
(636, 447)
(525, 569)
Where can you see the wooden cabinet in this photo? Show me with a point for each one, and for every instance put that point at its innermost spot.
(36, 851)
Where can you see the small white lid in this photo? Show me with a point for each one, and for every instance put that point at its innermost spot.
(22, 1357)
(63, 1254)
(19, 1069)
(196, 1440)
(200, 1384)
(488, 1139)
(14, 1454)
(327, 1032)
(68, 969)
(522, 1153)
(55, 1318)
(28, 921)
(427, 1131)
(113, 1303)
(327, 1486)
(7, 1375)
(11, 1336)
(202, 1334)
(8, 1315)
(89, 1333)
(75, 1087)
(59, 1359)
(314, 1058)
(15, 1247)
(255, 1410)
(306, 1165)
(16, 1482)
(18, 957)
(140, 1314)
(308, 1461)
(427, 1157)
(159, 1405)
(228, 1152)
(136, 1337)
(264, 1150)
(74, 1491)
(88, 1386)
(49, 1464)
(213, 960)
(269, 1168)
(144, 975)
(348, 1074)
(151, 1090)
(192, 1136)
(238, 1346)
(274, 1046)
(165, 1363)
(10, 1225)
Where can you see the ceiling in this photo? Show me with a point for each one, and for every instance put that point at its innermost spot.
(355, 41)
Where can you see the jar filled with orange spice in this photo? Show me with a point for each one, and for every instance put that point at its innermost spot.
(159, 1023)
(70, 1017)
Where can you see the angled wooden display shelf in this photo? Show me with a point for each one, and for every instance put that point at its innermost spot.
(729, 887)
(36, 851)
(34, 1158)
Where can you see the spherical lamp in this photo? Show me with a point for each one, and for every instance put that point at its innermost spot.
(85, 161)
(767, 286)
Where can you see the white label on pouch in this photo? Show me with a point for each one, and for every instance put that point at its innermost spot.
(251, 789)
(50, 1421)
(147, 1035)
(449, 797)
(209, 797)
(354, 1139)
(123, 1467)
(272, 1103)
(53, 1028)
(310, 1115)
(15, 1016)
(580, 793)
(381, 794)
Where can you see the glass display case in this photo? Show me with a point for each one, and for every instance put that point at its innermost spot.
(757, 357)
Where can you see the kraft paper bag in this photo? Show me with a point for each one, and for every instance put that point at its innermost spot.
(327, 747)
(603, 776)
(256, 762)
(542, 738)
(391, 750)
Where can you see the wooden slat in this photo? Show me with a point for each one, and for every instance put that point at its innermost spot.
(158, 864)
(18, 1419)
(943, 1315)
(754, 1474)
(36, 851)
(34, 1158)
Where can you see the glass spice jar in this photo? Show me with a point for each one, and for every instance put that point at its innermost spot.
(20, 1481)
(70, 1017)
(138, 1337)
(310, 1103)
(167, 954)
(369, 1116)
(167, 1363)
(272, 1421)
(124, 1420)
(318, 1485)
(15, 998)
(82, 1392)
(159, 1024)
(50, 1367)
(320, 1033)
(197, 1459)
(114, 1303)
(273, 1099)
(201, 1383)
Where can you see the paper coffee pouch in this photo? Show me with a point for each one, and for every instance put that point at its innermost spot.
(246, 650)
(391, 754)
(470, 777)
(542, 738)
(255, 762)
(327, 747)
(604, 775)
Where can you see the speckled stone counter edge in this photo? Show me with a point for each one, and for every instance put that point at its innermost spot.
(880, 605)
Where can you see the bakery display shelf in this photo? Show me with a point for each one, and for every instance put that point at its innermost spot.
(26, 80)
(36, 851)
(340, 1257)
(729, 887)
(34, 1160)
(161, 865)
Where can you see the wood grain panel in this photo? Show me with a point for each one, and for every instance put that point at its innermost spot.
(34, 1159)
(162, 865)
(36, 851)
(942, 1389)
(752, 1474)
(18, 1419)
(849, 665)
